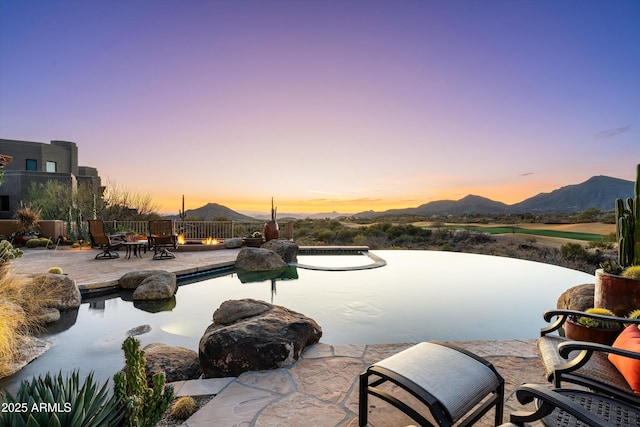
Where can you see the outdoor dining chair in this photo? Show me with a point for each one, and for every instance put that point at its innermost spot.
(570, 407)
(162, 237)
(613, 370)
(103, 241)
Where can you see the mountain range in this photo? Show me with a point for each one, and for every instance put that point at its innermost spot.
(597, 192)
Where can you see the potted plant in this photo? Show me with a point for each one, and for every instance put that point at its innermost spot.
(28, 227)
(271, 230)
(598, 330)
(254, 240)
(618, 292)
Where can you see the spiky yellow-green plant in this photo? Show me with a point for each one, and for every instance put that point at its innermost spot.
(598, 323)
(632, 272)
(183, 408)
(635, 314)
(55, 270)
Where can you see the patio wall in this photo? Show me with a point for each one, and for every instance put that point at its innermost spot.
(48, 228)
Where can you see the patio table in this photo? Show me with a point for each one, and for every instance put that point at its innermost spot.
(135, 247)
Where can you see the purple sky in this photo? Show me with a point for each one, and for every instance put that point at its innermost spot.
(328, 105)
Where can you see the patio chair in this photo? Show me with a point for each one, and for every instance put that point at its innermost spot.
(162, 237)
(103, 241)
(611, 370)
(569, 407)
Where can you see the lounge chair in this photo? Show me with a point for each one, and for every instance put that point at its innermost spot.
(565, 407)
(589, 364)
(103, 241)
(162, 237)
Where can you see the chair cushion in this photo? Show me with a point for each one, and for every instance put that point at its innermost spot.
(629, 339)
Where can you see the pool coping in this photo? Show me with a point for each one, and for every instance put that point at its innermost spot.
(377, 261)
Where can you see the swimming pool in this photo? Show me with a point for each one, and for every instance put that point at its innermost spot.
(417, 296)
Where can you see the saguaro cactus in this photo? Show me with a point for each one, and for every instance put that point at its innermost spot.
(628, 226)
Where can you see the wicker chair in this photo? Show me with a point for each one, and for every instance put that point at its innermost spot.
(162, 237)
(101, 240)
(584, 363)
(567, 408)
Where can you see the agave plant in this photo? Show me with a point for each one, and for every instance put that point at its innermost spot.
(60, 401)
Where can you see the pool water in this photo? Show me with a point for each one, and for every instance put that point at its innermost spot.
(417, 296)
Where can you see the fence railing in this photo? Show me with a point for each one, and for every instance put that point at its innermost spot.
(198, 230)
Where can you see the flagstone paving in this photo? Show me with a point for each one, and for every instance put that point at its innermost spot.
(321, 389)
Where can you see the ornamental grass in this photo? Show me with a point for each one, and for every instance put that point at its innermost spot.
(21, 302)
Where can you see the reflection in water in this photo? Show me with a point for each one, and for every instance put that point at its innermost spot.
(96, 305)
(284, 273)
(156, 306)
(67, 319)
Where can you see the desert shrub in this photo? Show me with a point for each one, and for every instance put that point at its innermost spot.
(600, 244)
(183, 408)
(75, 404)
(326, 236)
(28, 218)
(574, 251)
(20, 302)
(41, 242)
(12, 326)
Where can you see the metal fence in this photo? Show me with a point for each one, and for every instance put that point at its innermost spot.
(198, 230)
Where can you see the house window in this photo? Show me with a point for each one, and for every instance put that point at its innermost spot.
(51, 166)
(32, 165)
(4, 203)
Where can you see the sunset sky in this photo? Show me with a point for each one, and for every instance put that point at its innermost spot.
(328, 105)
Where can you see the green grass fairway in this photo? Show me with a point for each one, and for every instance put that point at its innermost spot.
(548, 233)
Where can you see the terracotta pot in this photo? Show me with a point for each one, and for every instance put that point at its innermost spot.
(271, 230)
(617, 293)
(578, 332)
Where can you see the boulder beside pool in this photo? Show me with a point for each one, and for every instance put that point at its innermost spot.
(287, 250)
(251, 335)
(258, 259)
(158, 286)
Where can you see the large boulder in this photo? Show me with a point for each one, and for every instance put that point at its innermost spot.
(287, 250)
(577, 298)
(67, 295)
(258, 259)
(133, 279)
(158, 286)
(251, 335)
(177, 363)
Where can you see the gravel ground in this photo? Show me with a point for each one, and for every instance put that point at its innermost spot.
(168, 421)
